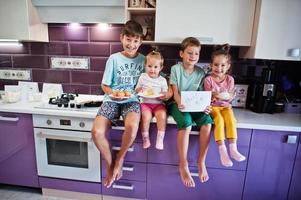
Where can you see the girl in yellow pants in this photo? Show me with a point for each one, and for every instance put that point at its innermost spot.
(222, 86)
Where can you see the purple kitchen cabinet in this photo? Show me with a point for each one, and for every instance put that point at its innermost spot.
(17, 151)
(164, 182)
(270, 165)
(295, 188)
(115, 134)
(135, 153)
(69, 185)
(126, 188)
(170, 153)
(131, 171)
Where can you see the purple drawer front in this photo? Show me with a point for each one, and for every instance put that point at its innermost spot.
(135, 153)
(76, 186)
(115, 134)
(170, 153)
(131, 171)
(130, 189)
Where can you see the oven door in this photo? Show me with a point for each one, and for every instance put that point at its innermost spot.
(67, 154)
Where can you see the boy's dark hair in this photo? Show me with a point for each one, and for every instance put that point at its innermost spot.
(132, 28)
(223, 49)
(190, 41)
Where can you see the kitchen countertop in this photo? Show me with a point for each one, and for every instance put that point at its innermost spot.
(245, 118)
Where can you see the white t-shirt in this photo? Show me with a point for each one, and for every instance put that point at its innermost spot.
(156, 84)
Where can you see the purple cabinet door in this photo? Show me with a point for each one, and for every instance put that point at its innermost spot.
(295, 188)
(164, 182)
(17, 151)
(270, 165)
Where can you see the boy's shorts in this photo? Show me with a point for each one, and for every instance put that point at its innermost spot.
(152, 107)
(186, 119)
(112, 110)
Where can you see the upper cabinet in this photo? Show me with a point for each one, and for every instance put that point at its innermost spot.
(211, 21)
(144, 12)
(19, 20)
(277, 31)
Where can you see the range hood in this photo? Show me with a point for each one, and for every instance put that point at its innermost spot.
(19, 20)
(81, 11)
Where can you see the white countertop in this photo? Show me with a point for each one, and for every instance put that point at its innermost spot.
(245, 118)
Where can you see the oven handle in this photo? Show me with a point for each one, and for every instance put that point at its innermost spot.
(57, 137)
(10, 119)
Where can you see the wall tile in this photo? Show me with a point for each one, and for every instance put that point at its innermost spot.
(24, 49)
(51, 76)
(67, 33)
(98, 64)
(116, 47)
(96, 90)
(52, 48)
(111, 34)
(28, 61)
(76, 88)
(90, 49)
(86, 77)
(5, 61)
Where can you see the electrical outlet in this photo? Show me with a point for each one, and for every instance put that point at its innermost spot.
(15, 74)
(69, 63)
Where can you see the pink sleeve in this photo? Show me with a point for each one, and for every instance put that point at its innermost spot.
(207, 84)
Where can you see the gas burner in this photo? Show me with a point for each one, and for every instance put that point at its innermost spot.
(64, 99)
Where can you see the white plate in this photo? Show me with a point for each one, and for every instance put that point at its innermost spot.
(150, 97)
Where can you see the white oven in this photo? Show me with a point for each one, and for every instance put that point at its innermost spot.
(64, 148)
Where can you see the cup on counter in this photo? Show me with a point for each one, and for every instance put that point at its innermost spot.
(279, 107)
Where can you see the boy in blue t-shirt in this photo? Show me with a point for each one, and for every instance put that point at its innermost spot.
(121, 74)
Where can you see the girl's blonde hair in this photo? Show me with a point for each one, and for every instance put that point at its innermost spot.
(156, 55)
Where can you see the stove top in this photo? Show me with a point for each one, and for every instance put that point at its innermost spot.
(76, 102)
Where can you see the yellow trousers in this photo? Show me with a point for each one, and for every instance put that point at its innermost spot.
(224, 117)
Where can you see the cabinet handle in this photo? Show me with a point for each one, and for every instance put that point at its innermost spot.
(117, 148)
(120, 128)
(10, 119)
(291, 139)
(194, 174)
(127, 167)
(123, 187)
(58, 137)
(194, 132)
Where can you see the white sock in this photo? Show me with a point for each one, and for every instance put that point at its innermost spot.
(235, 154)
(159, 141)
(224, 157)
(146, 141)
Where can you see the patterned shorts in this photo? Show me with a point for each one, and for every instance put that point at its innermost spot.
(112, 110)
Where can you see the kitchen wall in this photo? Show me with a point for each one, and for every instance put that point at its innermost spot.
(89, 41)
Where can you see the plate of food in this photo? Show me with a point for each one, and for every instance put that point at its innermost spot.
(150, 94)
(120, 95)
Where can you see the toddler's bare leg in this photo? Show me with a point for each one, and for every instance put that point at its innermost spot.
(161, 126)
(146, 118)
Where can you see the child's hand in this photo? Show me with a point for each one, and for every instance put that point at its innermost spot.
(165, 96)
(208, 109)
(139, 90)
(181, 107)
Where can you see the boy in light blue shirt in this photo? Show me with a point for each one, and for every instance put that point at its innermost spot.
(121, 73)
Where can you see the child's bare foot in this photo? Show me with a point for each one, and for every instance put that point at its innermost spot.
(203, 174)
(186, 177)
(117, 172)
(108, 180)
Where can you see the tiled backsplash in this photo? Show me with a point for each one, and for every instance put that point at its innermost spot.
(88, 41)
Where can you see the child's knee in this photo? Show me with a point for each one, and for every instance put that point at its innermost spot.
(97, 133)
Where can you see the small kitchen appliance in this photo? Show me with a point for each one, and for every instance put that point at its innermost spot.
(241, 96)
(264, 93)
